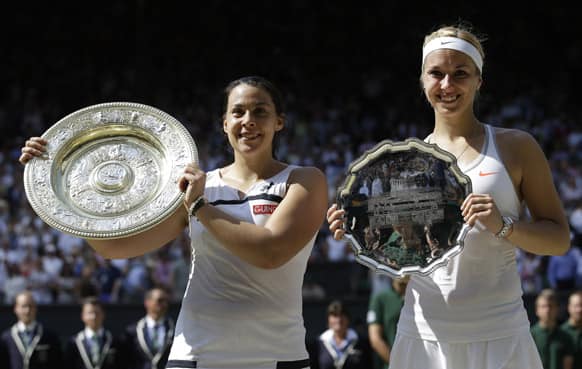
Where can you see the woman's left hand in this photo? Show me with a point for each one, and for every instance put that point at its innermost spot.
(482, 208)
(192, 183)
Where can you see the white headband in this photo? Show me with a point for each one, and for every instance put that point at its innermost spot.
(453, 43)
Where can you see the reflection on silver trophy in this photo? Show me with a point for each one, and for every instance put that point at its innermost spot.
(402, 203)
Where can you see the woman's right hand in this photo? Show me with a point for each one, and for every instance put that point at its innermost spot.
(336, 221)
(34, 146)
(192, 183)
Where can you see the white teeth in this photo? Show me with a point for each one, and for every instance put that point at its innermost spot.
(249, 137)
(448, 99)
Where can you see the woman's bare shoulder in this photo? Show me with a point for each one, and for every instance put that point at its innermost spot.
(515, 139)
(307, 175)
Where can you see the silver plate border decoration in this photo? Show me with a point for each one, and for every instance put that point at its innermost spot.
(402, 201)
(111, 170)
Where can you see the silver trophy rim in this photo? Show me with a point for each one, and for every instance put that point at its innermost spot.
(48, 161)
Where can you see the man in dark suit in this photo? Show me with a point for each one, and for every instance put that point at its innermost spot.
(94, 347)
(28, 344)
(340, 347)
(148, 341)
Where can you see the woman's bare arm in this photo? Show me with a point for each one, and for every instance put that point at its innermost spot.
(144, 242)
(295, 221)
(547, 233)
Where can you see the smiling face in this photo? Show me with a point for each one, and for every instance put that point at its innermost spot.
(251, 120)
(450, 80)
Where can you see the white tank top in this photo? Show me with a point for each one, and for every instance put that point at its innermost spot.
(236, 315)
(477, 296)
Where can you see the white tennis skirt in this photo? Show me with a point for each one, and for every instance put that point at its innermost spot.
(515, 352)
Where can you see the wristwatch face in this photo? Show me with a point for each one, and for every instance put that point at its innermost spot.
(507, 224)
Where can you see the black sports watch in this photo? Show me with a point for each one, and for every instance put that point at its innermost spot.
(196, 205)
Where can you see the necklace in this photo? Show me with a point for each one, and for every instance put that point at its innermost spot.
(467, 139)
(465, 149)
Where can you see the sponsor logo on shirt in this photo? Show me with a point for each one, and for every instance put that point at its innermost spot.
(264, 209)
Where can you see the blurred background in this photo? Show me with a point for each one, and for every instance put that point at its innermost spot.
(349, 73)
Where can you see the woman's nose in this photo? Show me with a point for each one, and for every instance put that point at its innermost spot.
(247, 120)
(446, 82)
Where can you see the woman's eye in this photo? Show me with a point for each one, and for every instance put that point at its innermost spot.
(461, 74)
(435, 73)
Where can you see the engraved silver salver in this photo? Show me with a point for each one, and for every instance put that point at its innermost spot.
(110, 170)
(402, 203)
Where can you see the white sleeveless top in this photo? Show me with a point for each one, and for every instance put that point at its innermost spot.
(236, 315)
(477, 296)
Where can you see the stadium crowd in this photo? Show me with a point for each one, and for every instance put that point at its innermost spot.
(338, 107)
(60, 268)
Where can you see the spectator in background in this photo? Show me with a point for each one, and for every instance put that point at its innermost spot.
(4, 216)
(136, 281)
(563, 269)
(88, 284)
(68, 244)
(28, 344)
(12, 254)
(554, 345)
(382, 319)
(51, 262)
(339, 347)
(15, 283)
(336, 250)
(180, 270)
(109, 280)
(40, 283)
(311, 289)
(147, 342)
(571, 189)
(573, 326)
(66, 288)
(162, 268)
(94, 346)
(529, 267)
(576, 219)
(3, 277)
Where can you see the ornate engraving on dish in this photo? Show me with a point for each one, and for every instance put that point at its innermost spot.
(402, 203)
(110, 170)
